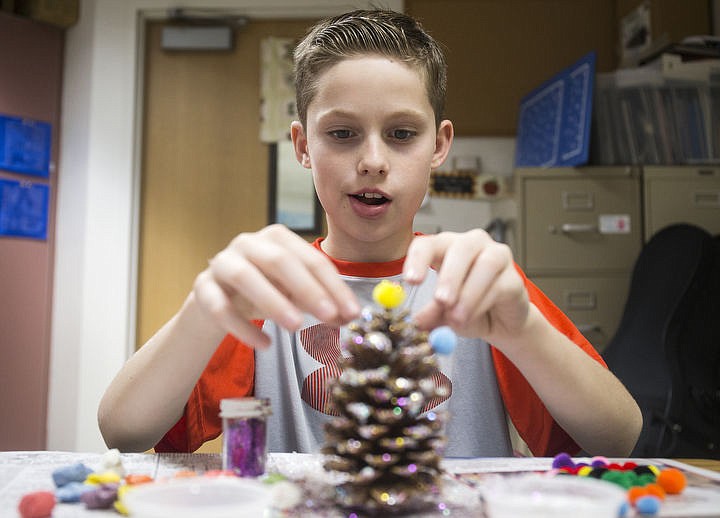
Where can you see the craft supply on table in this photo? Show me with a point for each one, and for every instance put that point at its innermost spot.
(245, 435)
(302, 488)
(206, 497)
(386, 439)
(645, 484)
(551, 497)
(39, 504)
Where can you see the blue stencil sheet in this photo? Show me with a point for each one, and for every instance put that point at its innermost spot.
(554, 121)
(25, 146)
(24, 209)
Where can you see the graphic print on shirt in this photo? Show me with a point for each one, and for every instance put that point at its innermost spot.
(322, 343)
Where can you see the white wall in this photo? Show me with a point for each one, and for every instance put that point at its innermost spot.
(95, 272)
(497, 157)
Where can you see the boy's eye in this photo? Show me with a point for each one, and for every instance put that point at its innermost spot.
(341, 133)
(402, 134)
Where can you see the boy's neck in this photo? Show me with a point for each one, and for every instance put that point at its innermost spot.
(391, 249)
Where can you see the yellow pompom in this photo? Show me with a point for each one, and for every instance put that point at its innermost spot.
(584, 471)
(388, 294)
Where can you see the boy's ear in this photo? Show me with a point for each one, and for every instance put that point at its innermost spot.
(299, 140)
(443, 141)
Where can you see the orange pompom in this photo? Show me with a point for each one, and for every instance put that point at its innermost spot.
(655, 490)
(672, 480)
(634, 493)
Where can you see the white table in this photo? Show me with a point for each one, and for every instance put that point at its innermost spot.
(25, 472)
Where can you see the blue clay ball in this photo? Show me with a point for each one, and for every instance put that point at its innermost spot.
(443, 340)
(71, 492)
(73, 473)
(647, 505)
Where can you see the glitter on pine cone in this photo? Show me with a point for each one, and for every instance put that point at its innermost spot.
(387, 441)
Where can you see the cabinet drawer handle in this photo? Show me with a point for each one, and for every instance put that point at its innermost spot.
(706, 199)
(578, 228)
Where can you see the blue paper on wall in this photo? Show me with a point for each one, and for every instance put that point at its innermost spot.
(24, 209)
(554, 120)
(25, 146)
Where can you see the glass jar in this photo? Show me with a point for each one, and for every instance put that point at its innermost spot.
(245, 435)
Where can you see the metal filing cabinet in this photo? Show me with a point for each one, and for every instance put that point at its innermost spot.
(580, 232)
(684, 194)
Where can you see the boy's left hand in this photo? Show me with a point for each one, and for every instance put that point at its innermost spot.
(479, 292)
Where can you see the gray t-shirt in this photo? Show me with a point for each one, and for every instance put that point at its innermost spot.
(294, 371)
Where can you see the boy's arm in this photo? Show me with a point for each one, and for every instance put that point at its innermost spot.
(584, 397)
(148, 395)
(480, 293)
(272, 274)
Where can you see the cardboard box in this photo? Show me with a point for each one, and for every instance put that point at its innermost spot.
(61, 13)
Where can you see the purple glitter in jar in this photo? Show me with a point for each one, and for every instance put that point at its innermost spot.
(244, 435)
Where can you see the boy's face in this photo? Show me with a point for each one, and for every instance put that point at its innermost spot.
(371, 141)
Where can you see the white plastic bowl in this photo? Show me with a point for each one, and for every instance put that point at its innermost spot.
(540, 496)
(216, 497)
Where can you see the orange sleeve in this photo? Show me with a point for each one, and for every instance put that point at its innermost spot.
(229, 373)
(527, 412)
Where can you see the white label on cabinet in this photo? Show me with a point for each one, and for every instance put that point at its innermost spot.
(614, 223)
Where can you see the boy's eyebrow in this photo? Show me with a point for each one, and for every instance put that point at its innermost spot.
(343, 113)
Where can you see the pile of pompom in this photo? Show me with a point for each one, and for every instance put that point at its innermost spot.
(646, 485)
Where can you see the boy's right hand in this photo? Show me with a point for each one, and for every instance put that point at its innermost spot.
(272, 274)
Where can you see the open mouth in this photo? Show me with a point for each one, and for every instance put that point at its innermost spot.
(371, 198)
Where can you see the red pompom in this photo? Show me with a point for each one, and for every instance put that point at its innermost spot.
(37, 505)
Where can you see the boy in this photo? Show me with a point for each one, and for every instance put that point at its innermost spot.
(370, 93)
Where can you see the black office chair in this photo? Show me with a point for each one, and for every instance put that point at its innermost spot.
(668, 329)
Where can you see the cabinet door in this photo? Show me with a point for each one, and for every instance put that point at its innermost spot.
(573, 223)
(682, 195)
(594, 304)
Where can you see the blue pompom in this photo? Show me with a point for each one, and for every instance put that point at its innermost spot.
(443, 340)
(647, 505)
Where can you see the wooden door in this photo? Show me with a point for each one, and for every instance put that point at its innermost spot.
(204, 169)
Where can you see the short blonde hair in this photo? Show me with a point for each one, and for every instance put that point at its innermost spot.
(383, 32)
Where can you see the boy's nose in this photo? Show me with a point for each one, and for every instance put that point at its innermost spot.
(373, 158)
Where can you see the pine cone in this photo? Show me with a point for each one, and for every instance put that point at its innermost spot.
(386, 440)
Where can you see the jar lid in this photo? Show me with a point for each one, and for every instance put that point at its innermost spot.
(244, 407)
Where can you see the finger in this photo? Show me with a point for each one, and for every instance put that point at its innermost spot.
(304, 276)
(216, 302)
(424, 252)
(507, 295)
(324, 272)
(242, 279)
(429, 316)
(461, 257)
(477, 291)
